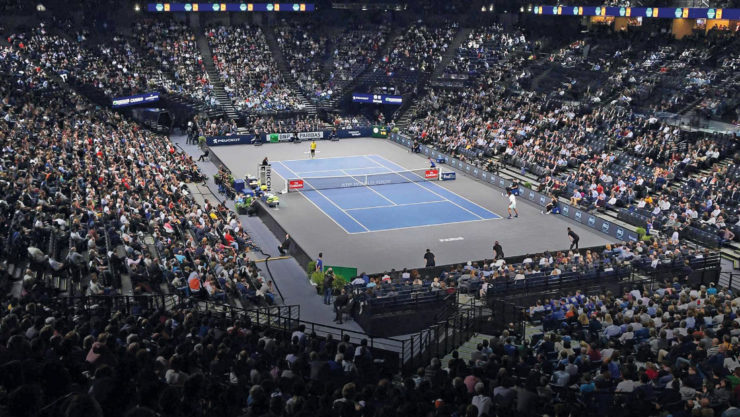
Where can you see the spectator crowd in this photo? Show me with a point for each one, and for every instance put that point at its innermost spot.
(248, 70)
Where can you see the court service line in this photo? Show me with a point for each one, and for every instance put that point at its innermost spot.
(401, 205)
(444, 188)
(438, 195)
(370, 188)
(329, 200)
(328, 157)
(334, 170)
(314, 204)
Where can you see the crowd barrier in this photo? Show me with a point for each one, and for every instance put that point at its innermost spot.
(573, 213)
(285, 137)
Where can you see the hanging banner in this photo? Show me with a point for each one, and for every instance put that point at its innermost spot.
(135, 100)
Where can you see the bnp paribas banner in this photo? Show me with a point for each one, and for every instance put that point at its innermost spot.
(379, 132)
(280, 137)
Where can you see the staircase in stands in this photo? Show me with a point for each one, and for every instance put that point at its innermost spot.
(451, 51)
(214, 77)
(284, 68)
(360, 78)
(407, 110)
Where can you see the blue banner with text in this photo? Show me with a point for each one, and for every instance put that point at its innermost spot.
(126, 101)
(376, 98)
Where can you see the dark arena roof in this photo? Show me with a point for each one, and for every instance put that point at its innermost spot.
(369, 209)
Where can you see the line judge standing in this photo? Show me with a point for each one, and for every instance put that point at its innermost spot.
(498, 251)
(573, 239)
(429, 257)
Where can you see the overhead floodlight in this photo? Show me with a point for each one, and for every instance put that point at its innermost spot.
(137, 8)
(40, 8)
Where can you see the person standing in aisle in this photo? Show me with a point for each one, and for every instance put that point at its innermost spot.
(498, 251)
(339, 303)
(429, 257)
(328, 285)
(512, 204)
(573, 239)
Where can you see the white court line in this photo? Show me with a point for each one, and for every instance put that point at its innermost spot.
(444, 188)
(371, 189)
(438, 195)
(381, 230)
(422, 225)
(310, 201)
(327, 199)
(401, 205)
(332, 170)
(328, 157)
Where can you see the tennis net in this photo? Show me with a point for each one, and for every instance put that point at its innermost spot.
(364, 180)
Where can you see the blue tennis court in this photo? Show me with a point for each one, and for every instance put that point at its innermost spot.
(393, 198)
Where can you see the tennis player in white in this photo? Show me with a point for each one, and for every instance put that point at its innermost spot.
(512, 204)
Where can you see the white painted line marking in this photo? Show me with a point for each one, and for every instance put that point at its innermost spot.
(400, 205)
(433, 184)
(437, 194)
(370, 188)
(452, 239)
(329, 200)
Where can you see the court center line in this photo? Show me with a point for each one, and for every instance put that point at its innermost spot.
(371, 188)
(399, 205)
(438, 195)
(329, 200)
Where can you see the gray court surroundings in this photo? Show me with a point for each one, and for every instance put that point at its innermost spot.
(381, 251)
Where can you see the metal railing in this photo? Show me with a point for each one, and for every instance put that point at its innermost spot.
(440, 339)
(284, 318)
(505, 314)
(128, 304)
(702, 270)
(436, 271)
(567, 281)
(395, 354)
(729, 280)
